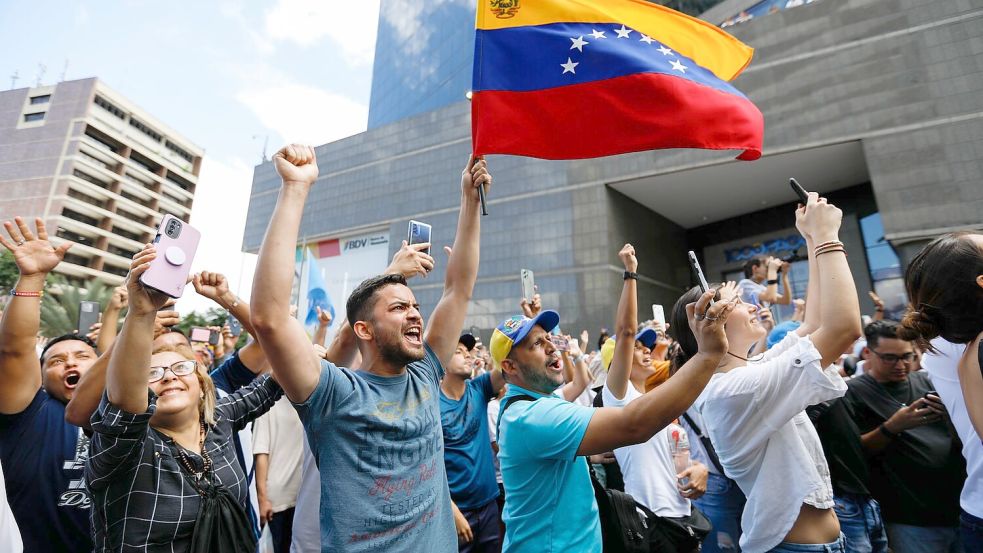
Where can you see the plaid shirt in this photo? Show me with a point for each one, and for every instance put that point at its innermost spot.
(141, 498)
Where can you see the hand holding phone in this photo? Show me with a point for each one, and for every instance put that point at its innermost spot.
(528, 284)
(799, 191)
(419, 233)
(88, 315)
(176, 244)
(200, 334)
(695, 263)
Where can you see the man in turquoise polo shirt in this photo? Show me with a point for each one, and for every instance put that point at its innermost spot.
(549, 500)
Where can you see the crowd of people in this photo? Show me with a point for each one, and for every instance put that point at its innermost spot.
(717, 430)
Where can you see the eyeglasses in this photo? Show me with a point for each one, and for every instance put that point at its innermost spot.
(181, 368)
(892, 359)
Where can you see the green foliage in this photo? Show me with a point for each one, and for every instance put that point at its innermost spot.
(60, 307)
(8, 272)
(215, 316)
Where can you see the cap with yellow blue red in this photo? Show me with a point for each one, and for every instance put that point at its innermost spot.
(514, 329)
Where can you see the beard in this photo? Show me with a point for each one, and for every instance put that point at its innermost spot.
(394, 351)
(539, 379)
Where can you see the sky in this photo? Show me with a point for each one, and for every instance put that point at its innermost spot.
(227, 75)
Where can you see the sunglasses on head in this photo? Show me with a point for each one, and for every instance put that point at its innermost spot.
(181, 368)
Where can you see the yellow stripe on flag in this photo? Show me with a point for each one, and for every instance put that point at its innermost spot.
(705, 44)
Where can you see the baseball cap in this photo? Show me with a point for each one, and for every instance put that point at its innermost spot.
(514, 329)
(647, 336)
(468, 340)
(607, 353)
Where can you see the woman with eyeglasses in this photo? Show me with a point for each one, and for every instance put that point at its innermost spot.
(753, 409)
(162, 470)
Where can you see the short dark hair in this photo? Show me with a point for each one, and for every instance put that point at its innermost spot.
(876, 330)
(66, 338)
(750, 264)
(363, 298)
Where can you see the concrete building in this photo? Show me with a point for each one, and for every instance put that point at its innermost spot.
(876, 103)
(99, 170)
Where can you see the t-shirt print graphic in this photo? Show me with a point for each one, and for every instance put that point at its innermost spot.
(77, 495)
(402, 447)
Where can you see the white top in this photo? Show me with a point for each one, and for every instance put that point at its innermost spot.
(942, 367)
(306, 530)
(697, 453)
(648, 470)
(10, 541)
(280, 434)
(755, 417)
(493, 408)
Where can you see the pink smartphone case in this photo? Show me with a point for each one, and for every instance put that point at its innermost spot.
(169, 272)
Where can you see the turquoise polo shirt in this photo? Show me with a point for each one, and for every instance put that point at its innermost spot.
(549, 500)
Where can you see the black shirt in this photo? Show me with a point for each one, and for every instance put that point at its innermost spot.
(918, 477)
(841, 444)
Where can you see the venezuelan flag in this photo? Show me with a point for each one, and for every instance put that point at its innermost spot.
(570, 79)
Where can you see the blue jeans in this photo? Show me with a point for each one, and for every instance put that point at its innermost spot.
(861, 523)
(723, 504)
(972, 532)
(838, 546)
(905, 538)
(484, 526)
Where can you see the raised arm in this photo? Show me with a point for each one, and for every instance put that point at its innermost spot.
(573, 361)
(110, 319)
(462, 268)
(624, 328)
(323, 322)
(20, 368)
(215, 287)
(613, 427)
(129, 366)
(284, 340)
(838, 306)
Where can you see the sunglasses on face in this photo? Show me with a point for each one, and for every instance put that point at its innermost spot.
(181, 368)
(891, 358)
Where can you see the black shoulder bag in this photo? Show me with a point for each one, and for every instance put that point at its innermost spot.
(623, 529)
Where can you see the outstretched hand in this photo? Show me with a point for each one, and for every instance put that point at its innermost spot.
(34, 255)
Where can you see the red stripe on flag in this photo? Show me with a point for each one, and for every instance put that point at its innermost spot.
(644, 111)
(328, 248)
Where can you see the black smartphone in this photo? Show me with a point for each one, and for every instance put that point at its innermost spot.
(695, 263)
(419, 233)
(88, 316)
(932, 392)
(799, 191)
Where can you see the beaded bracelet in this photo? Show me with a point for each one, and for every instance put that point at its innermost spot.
(22, 294)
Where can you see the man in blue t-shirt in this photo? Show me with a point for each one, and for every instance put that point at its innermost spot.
(543, 440)
(374, 432)
(468, 454)
(43, 456)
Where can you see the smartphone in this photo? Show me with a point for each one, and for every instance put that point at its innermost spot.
(199, 334)
(659, 314)
(176, 243)
(235, 326)
(528, 283)
(695, 263)
(88, 316)
(799, 191)
(560, 342)
(932, 392)
(419, 233)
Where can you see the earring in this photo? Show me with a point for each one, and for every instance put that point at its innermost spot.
(201, 395)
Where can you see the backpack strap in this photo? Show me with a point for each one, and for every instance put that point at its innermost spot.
(508, 402)
(707, 445)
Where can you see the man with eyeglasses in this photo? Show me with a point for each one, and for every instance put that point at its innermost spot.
(916, 470)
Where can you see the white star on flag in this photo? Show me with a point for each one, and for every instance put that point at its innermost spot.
(623, 32)
(598, 34)
(647, 39)
(678, 66)
(569, 66)
(579, 43)
(665, 51)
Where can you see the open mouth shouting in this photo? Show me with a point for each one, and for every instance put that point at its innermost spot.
(555, 365)
(71, 379)
(414, 335)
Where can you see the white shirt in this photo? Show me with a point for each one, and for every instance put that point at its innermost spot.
(942, 367)
(280, 434)
(306, 530)
(755, 417)
(10, 541)
(697, 453)
(648, 470)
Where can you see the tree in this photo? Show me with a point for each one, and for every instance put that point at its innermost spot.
(8, 272)
(60, 308)
(213, 317)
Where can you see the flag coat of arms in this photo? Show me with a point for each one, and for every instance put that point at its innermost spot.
(570, 79)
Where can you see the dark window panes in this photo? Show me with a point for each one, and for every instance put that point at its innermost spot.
(41, 99)
(31, 117)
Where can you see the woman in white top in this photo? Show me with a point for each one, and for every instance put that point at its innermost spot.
(754, 409)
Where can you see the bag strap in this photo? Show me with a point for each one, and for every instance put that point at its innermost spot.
(707, 445)
(508, 402)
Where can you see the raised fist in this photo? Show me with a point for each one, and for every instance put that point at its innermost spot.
(296, 164)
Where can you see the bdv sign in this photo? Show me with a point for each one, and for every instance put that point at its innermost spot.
(356, 244)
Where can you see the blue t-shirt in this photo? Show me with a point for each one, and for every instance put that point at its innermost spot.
(549, 499)
(378, 445)
(43, 460)
(467, 448)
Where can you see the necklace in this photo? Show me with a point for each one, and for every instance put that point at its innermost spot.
(737, 356)
(188, 465)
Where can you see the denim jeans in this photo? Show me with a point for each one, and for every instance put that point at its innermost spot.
(972, 532)
(861, 523)
(723, 504)
(838, 546)
(905, 538)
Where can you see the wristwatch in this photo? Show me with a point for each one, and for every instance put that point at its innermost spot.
(772, 281)
(631, 275)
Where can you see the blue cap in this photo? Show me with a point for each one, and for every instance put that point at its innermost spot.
(647, 336)
(515, 329)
